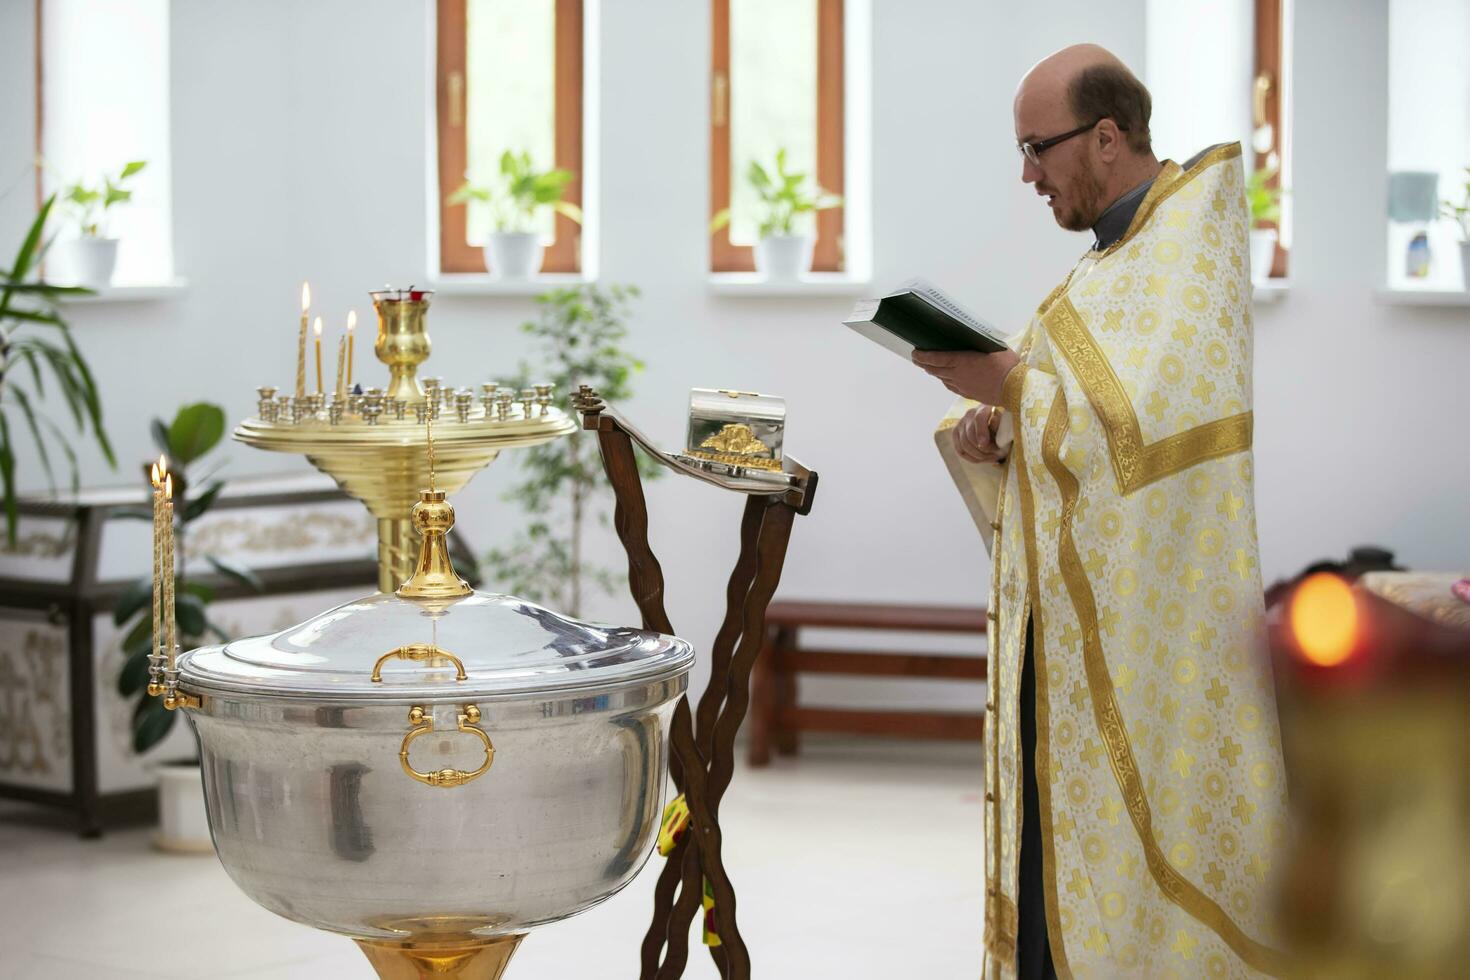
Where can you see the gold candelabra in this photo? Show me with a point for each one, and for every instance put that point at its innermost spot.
(372, 441)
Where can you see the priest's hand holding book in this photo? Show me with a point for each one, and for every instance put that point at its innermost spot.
(969, 374)
(921, 323)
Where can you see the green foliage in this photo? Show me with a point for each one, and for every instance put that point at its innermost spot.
(195, 431)
(1460, 213)
(784, 198)
(519, 192)
(580, 331)
(1262, 197)
(89, 203)
(35, 336)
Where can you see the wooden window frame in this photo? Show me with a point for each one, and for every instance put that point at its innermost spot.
(456, 254)
(1270, 63)
(726, 256)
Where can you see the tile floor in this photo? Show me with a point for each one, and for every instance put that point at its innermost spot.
(860, 859)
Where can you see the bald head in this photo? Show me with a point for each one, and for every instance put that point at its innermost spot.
(1089, 82)
(1084, 87)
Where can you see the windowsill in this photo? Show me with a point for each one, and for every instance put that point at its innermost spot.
(1270, 291)
(812, 284)
(482, 284)
(131, 294)
(1411, 296)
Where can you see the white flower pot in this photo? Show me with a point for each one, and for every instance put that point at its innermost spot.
(513, 254)
(1465, 265)
(783, 258)
(183, 824)
(86, 261)
(1263, 253)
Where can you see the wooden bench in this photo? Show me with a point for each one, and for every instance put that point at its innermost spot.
(776, 720)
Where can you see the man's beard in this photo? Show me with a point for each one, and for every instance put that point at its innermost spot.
(1088, 191)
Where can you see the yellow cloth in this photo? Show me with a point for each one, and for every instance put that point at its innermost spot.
(1127, 535)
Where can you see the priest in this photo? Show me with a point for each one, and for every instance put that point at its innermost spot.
(1134, 804)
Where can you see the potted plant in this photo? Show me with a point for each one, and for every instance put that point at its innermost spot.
(1461, 215)
(35, 336)
(581, 331)
(513, 250)
(1264, 200)
(784, 249)
(194, 432)
(92, 257)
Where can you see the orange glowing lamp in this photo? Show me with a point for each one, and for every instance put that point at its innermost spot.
(1324, 620)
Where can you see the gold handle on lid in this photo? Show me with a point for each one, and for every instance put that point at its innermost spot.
(419, 652)
(445, 778)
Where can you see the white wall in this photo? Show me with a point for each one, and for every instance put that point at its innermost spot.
(282, 171)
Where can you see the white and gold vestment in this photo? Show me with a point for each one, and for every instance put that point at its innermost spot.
(1126, 535)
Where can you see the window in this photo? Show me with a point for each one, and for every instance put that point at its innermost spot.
(1269, 135)
(1236, 87)
(777, 81)
(105, 102)
(509, 78)
(1428, 143)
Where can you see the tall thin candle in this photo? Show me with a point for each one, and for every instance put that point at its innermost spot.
(316, 328)
(351, 323)
(169, 612)
(301, 341)
(341, 358)
(157, 481)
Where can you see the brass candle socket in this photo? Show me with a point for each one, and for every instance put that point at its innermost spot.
(403, 342)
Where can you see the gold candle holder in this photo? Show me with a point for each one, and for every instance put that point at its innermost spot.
(403, 342)
(379, 459)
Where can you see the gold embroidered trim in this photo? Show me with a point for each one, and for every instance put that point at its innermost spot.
(1013, 388)
(1170, 180)
(1054, 935)
(1113, 730)
(1135, 464)
(1001, 920)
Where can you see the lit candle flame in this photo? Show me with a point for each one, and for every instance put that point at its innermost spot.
(168, 487)
(305, 296)
(1324, 619)
(351, 320)
(316, 327)
(160, 470)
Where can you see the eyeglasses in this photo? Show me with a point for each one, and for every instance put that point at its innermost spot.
(1033, 151)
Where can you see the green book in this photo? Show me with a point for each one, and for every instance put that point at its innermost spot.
(920, 316)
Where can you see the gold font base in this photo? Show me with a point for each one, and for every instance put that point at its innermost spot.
(464, 958)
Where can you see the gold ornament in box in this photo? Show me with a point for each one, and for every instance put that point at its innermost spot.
(735, 432)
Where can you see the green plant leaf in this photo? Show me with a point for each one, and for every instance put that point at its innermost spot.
(29, 415)
(189, 613)
(199, 590)
(140, 637)
(137, 595)
(133, 677)
(7, 480)
(196, 430)
(151, 723)
(132, 168)
(197, 507)
(720, 220)
(159, 431)
(236, 571)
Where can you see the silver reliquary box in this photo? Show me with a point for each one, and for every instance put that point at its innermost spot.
(735, 431)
